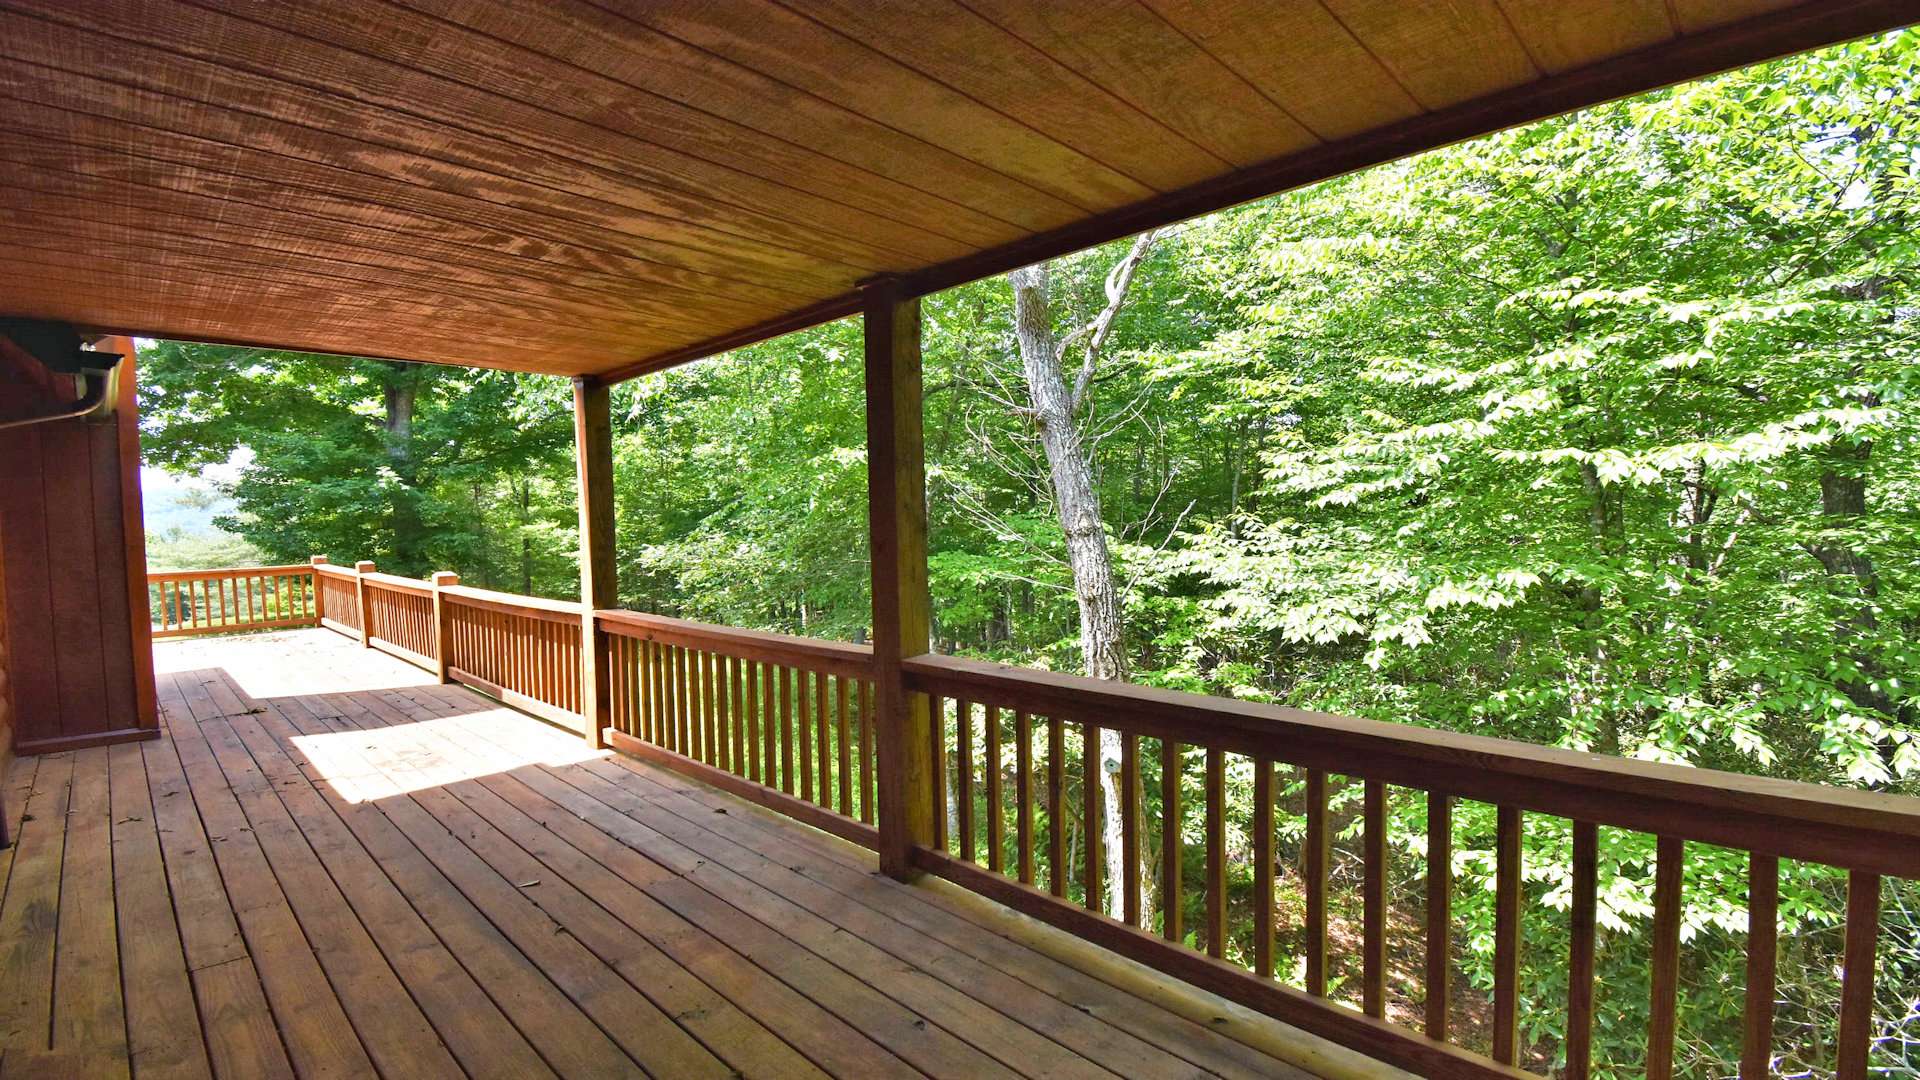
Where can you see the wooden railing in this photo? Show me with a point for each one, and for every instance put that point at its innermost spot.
(521, 649)
(1865, 834)
(225, 601)
(790, 723)
(785, 721)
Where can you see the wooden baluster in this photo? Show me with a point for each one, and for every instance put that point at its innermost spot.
(1373, 937)
(1669, 865)
(1506, 935)
(1172, 904)
(716, 684)
(1130, 827)
(716, 737)
(963, 769)
(742, 745)
(662, 708)
(657, 676)
(769, 720)
(687, 727)
(869, 784)
(1216, 826)
(1585, 907)
(996, 812)
(1263, 857)
(1056, 806)
(786, 729)
(1763, 954)
(1313, 871)
(711, 684)
(636, 653)
(846, 745)
(750, 720)
(1023, 793)
(1856, 975)
(1439, 975)
(1092, 813)
(823, 728)
(620, 655)
(937, 754)
(803, 733)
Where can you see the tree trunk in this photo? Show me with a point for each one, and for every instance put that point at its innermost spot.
(1053, 405)
(399, 391)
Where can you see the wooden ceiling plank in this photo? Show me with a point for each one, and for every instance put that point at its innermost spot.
(218, 206)
(1562, 36)
(161, 217)
(229, 61)
(1135, 55)
(1443, 54)
(577, 239)
(51, 292)
(1323, 77)
(569, 54)
(645, 58)
(242, 267)
(706, 152)
(947, 42)
(110, 107)
(803, 61)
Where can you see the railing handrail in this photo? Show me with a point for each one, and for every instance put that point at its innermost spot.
(1848, 828)
(513, 600)
(397, 583)
(225, 571)
(818, 654)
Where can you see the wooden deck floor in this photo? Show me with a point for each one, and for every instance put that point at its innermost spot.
(331, 866)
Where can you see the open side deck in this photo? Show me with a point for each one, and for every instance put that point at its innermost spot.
(330, 865)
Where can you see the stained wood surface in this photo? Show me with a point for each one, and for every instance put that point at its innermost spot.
(604, 188)
(375, 874)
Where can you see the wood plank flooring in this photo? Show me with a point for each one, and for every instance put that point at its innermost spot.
(331, 866)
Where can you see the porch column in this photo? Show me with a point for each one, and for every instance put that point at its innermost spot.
(897, 523)
(593, 449)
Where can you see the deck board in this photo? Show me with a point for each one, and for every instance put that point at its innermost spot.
(332, 866)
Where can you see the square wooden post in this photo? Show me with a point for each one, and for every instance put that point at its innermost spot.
(360, 570)
(443, 624)
(319, 594)
(897, 524)
(593, 449)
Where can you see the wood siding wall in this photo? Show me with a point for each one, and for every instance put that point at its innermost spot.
(80, 667)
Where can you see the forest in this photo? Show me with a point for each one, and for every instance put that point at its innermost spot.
(1599, 433)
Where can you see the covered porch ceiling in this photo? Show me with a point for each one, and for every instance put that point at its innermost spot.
(610, 187)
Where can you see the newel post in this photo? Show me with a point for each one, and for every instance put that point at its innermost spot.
(443, 624)
(319, 593)
(897, 524)
(360, 571)
(593, 450)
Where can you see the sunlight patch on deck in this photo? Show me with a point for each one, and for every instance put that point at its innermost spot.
(381, 763)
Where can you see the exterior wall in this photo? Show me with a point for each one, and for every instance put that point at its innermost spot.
(80, 663)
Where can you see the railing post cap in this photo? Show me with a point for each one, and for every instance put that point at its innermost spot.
(364, 566)
(445, 577)
(318, 560)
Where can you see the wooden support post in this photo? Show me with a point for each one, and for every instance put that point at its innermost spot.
(360, 570)
(319, 594)
(593, 450)
(443, 624)
(897, 523)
